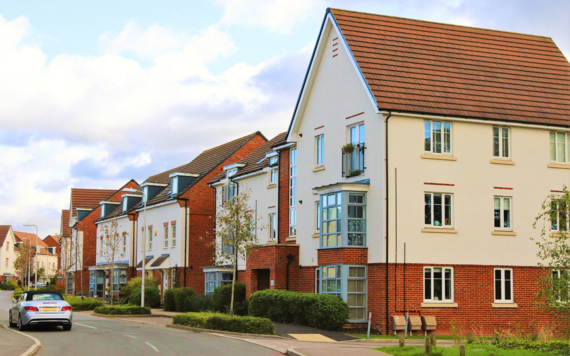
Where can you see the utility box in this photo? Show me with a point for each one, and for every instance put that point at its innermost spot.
(398, 322)
(415, 323)
(429, 323)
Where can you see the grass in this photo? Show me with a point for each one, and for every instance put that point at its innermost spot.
(470, 349)
(415, 337)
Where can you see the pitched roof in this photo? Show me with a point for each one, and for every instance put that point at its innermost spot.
(4, 229)
(55, 238)
(203, 164)
(251, 160)
(34, 239)
(118, 211)
(88, 198)
(65, 229)
(441, 69)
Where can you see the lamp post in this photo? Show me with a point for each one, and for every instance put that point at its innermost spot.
(25, 238)
(36, 257)
(143, 242)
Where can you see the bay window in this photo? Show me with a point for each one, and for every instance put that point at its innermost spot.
(437, 137)
(343, 209)
(502, 213)
(216, 279)
(348, 283)
(438, 284)
(503, 285)
(501, 144)
(438, 210)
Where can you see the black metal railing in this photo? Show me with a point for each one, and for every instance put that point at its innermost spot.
(353, 161)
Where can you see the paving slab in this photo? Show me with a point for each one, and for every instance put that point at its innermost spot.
(288, 330)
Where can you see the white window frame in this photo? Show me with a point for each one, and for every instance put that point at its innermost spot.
(173, 228)
(272, 227)
(432, 285)
(318, 216)
(145, 194)
(293, 192)
(443, 139)
(317, 280)
(166, 236)
(174, 187)
(231, 172)
(556, 142)
(443, 210)
(501, 143)
(502, 281)
(150, 231)
(502, 213)
(125, 204)
(320, 150)
(557, 229)
(273, 176)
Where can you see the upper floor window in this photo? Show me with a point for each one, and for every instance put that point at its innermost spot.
(145, 194)
(173, 235)
(7, 262)
(101, 246)
(273, 176)
(502, 213)
(353, 152)
(331, 233)
(438, 284)
(124, 243)
(343, 209)
(356, 219)
(559, 218)
(273, 161)
(272, 227)
(229, 191)
(166, 236)
(320, 150)
(231, 172)
(174, 187)
(559, 147)
(501, 142)
(150, 239)
(438, 209)
(125, 204)
(293, 192)
(503, 285)
(7, 246)
(437, 137)
(318, 216)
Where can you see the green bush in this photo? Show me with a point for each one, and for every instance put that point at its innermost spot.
(137, 282)
(555, 347)
(169, 300)
(123, 310)
(321, 311)
(200, 303)
(217, 321)
(151, 297)
(125, 292)
(78, 304)
(180, 297)
(8, 285)
(223, 297)
(18, 293)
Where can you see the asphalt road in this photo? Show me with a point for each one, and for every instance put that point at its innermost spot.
(105, 337)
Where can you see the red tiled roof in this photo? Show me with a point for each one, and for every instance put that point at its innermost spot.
(4, 229)
(88, 198)
(52, 240)
(65, 229)
(33, 238)
(441, 69)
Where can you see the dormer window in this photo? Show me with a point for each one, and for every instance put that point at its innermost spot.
(179, 181)
(231, 172)
(125, 200)
(174, 185)
(151, 189)
(145, 194)
(273, 161)
(107, 207)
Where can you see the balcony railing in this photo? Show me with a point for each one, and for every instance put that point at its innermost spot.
(353, 162)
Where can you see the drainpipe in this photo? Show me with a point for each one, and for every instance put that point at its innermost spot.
(278, 194)
(387, 226)
(289, 260)
(186, 237)
(133, 246)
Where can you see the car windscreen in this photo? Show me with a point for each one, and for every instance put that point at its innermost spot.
(46, 296)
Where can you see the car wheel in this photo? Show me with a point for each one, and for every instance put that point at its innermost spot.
(21, 326)
(67, 327)
(11, 323)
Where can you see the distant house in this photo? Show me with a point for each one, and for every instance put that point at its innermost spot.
(54, 246)
(46, 257)
(8, 254)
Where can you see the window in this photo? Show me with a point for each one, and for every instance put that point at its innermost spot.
(173, 278)
(229, 191)
(211, 282)
(437, 137)
(501, 142)
(561, 284)
(349, 284)
(438, 284)
(7, 246)
(273, 176)
(272, 227)
(150, 239)
(438, 210)
(173, 235)
(125, 204)
(273, 161)
(559, 147)
(320, 150)
(166, 236)
(174, 185)
(356, 136)
(293, 192)
(216, 279)
(356, 219)
(231, 172)
(502, 213)
(503, 285)
(7, 262)
(318, 215)
(124, 243)
(145, 194)
(331, 233)
(331, 280)
(559, 215)
(101, 246)
(317, 280)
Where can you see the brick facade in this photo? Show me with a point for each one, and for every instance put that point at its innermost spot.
(283, 197)
(273, 258)
(346, 256)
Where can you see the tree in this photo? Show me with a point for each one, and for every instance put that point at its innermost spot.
(24, 261)
(111, 248)
(236, 235)
(554, 254)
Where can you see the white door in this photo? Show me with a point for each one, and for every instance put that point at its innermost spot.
(164, 280)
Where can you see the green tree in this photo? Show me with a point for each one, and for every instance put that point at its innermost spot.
(554, 253)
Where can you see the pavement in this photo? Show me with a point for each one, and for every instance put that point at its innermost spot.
(13, 342)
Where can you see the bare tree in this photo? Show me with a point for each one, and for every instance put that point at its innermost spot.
(110, 251)
(24, 260)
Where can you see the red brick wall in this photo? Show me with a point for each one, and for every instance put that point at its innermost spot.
(306, 279)
(274, 258)
(331, 256)
(283, 199)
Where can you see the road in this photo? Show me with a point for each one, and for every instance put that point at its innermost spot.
(105, 337)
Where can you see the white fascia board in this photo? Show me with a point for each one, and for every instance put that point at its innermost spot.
(154, 184)
(110, 219)
(271, 154)
(84, 209)
(157, 205)
(133, 195)
(262, 171)
(217, 184)
(290, 144)
(479, 121)
(343, 186)
(233, 165)
(217, 269)
(109, 202)
(330, 21)
(182, 174)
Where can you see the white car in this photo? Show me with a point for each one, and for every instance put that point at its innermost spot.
(40, 307)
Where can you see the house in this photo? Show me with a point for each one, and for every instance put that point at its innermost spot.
(65, 243)
(84, 209)
(416, 160)
(8, 254)
(258, 173)
(177, 216)
(44, 258)
(54, 246)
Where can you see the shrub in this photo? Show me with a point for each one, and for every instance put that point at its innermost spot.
(180, 297)
(8, 286)
(122, 310)
(125, 292)
(223, 297)
(199, 303)
(169, 300)
(78, 304)
(18, 293)
(320, 311)
(137, 282)
(217, 321)
(151, 297)
(555, 347)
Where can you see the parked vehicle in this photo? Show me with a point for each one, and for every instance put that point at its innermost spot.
(40, 307)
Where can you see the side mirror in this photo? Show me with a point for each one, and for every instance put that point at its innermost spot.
(13, 301)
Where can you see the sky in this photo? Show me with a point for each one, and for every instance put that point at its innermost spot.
(93, 94)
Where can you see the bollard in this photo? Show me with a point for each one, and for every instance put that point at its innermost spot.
(433, 342)
(469, 337)
(461, 350)
(427, 346)
(402, 340)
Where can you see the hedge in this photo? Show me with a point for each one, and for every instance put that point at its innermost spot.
(18, 293)
(180, 296)
(151, 297)
(224, 322)
(554, 347)
(169, 300)
(200, 303)
(321, 311)
(123, 310)
(223, 296)
(8, 285)
(78, 304)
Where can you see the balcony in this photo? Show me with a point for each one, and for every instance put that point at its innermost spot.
(353, 160)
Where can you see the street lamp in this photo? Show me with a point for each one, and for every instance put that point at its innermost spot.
(143, 242)
(36, 259)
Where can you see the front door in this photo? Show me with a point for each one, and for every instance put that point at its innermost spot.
(263, 279)
(164, 280)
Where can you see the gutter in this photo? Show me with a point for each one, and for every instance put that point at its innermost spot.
(387, 225)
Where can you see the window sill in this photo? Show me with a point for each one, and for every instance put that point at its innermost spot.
(272, 186)
(439, 157)
(271, 242)
(439, 305)
(504, 233)
(319, 168)
(555, 234)
(316, 235)
(502, 161)
(559, 165)
(293, 238)
(439, 231)
(505, 305)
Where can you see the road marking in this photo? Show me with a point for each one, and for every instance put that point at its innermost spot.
(151, 345)
(34, 348)
(87, 326)
(134, 337)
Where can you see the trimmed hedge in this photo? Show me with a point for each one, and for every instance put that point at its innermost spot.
(321, 311)
(151, 297)
(180, 296)
(8, 285)
(223, 296)
(170, 300)
(123, 310)
(200, 303)
(223, 322)
(78, 304)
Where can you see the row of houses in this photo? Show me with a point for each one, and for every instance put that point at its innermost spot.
(407, 181)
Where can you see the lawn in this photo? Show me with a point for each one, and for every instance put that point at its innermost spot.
(470, 349)
(415, 337)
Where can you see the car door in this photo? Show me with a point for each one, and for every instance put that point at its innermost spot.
(16, 308)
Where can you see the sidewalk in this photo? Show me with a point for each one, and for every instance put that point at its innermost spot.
(15, 343)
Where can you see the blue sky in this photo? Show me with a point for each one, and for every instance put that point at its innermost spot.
(97, 93)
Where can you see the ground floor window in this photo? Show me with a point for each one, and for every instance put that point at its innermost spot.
(348, 283)
(503, 285)
(97, 283)
(119, 280)
(438, 284)
(216, 279)
(69, 283)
